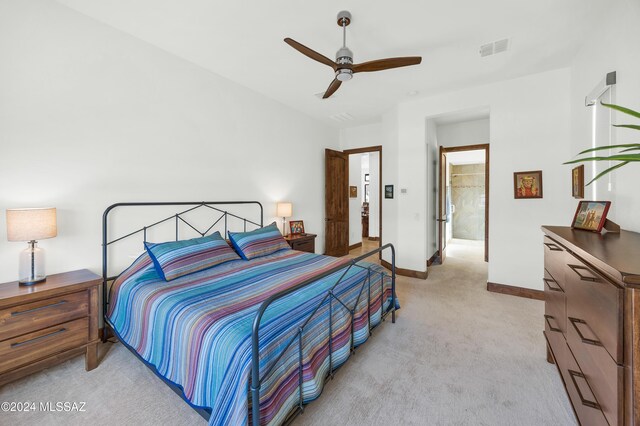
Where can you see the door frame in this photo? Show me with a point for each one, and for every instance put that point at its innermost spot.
(378, 149)
(485, 147)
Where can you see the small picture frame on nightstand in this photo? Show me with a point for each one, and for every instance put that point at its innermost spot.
(297, 227)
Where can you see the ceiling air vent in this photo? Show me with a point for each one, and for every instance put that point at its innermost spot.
(495, 47)
(342, 117)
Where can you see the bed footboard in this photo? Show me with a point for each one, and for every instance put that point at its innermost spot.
(256, 379)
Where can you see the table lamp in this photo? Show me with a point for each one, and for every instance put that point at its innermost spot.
(31, 225)
(284, 210)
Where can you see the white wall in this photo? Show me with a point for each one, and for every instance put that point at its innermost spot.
(432, 161)
(529, 120)
(90, 116)
(471, 132)
(355, 204)
(611, 46)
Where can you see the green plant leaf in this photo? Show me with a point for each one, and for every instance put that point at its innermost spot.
(628, 126)
(600, 148)
(630, 149)
(625, 157)
(622, 109)
(609, 170)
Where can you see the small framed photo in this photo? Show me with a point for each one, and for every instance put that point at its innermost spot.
(366, 177)
(366, 193)
(591, 215)
(527, 185)
(577, 181)
(296, 226)
(353, 192)
(388, 191)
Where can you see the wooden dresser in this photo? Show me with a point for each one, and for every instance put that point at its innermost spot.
(592, 321)
(47, 323)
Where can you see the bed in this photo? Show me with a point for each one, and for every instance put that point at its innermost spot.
(270, 329)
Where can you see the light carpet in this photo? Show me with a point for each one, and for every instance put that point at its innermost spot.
(457, 355)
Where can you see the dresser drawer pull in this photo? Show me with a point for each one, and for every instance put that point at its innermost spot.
(552, 328)
(552, 288)
(576, 268)
(28, 311)
(586, 402)
(552, 247)
(575, 321)
(35, 339)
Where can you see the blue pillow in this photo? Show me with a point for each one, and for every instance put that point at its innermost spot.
(178, 258)
(260, 242)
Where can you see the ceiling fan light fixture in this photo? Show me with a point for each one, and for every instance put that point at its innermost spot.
(344, 74)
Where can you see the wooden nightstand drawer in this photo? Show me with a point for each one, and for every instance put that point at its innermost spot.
(30, 317)
(31, 347)
(305, 245)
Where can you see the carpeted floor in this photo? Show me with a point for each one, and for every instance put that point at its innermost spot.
(456, 355)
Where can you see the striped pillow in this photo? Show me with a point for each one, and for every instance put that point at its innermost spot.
(260, 242)
(178, 258)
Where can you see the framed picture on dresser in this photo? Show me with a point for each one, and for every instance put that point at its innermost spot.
(591, 215)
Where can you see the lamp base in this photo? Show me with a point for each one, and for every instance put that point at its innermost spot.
(32, 281)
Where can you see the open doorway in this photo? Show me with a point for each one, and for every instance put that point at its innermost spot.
(463, 204)
(353, 193)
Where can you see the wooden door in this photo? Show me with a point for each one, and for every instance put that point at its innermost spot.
(336, 192)
(442, 206)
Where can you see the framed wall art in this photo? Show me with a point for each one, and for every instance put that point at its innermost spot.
(527, 184)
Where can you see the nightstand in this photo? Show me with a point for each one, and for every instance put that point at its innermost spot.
(302, 242)
(48, 323)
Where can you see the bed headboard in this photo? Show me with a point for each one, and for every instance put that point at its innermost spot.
(184, 219)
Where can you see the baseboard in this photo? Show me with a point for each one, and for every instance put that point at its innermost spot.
(406, 272)
(433, 258)
(355, 246)
(374, 238)
(529, 293)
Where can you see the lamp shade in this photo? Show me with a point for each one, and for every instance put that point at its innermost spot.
(284, 210)
(31, 224)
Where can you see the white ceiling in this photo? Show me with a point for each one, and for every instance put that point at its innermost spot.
(243, 41)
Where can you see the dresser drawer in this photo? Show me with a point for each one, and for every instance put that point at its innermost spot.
(604, 375)
(33, 316)
(578, 387)
(305, 245)
(555, 311)
(594, 308)
(42, 343)
(555, 259)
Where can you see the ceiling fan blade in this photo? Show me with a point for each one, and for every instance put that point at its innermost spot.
(385, 64)
(332, 88)
(310, 53)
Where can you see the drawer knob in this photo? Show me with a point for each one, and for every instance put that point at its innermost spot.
(574, 322)
(17, 313)
(577, 269)
(35, 339)
(547, 281)
(552, 247)
(586, 402)
(552, 328)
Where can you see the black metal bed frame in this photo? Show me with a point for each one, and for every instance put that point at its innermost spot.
(256, 380)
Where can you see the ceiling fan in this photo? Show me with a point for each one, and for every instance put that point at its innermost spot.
(344, 66)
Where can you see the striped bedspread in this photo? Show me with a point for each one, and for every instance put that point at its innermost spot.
(195, 331)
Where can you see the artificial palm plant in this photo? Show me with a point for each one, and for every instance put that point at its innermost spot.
(624, 156)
